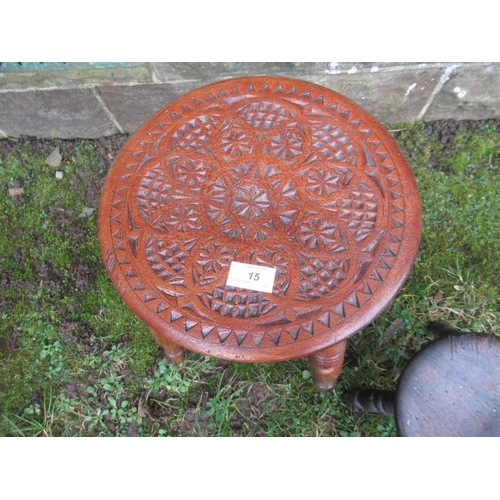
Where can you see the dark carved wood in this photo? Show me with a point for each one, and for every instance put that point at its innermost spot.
(270, 171)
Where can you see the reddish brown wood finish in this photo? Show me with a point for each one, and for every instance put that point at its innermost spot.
(326, 365)
(173, 351)
(270, 171)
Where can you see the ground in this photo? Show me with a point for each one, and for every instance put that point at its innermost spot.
(75, 361)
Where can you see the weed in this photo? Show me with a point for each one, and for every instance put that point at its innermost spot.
(169, 377)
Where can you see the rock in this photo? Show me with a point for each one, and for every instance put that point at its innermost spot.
(16, 191)
(54, 159)
(59, 174)
(86, 212)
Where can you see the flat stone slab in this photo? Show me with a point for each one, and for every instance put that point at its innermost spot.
(133, 105)
(471, 93)
(395, 96)
(75, 77)
(211, 72)
(91, 102)
(65, 114)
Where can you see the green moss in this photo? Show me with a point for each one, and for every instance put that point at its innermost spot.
(144, 351)
(18, 380)
(460, 202)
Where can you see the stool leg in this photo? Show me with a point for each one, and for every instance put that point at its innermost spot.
(326, 365)
(372, 401)
(173, 352)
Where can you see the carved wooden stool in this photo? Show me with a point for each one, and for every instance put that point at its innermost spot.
(260, 219)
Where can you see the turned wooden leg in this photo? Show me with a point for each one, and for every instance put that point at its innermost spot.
(173, 352)
(326, 365)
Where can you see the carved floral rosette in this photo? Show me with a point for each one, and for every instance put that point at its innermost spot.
(273, 172)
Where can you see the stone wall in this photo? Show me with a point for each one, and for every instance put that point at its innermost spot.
(91, 100)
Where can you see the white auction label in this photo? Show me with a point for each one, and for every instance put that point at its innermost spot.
(250, 276)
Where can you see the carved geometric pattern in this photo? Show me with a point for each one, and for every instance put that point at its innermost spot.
(167, 260)
(272, 172)
(251, 201)
(211, 260)
(358, 210)
(319, 234)
(323, 182)
(320, 276)
(194, 134)
(277, 258)
(286, 145)
(153, 191)
(264, 114)
(329, 142)
(190, 173)
(234, 139)
(236, 303)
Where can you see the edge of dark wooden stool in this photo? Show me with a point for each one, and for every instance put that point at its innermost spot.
(451, 387)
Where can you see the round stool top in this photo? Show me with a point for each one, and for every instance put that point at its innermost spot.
(268, 171)
(451, 388)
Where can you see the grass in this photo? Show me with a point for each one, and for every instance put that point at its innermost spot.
(75, 361)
